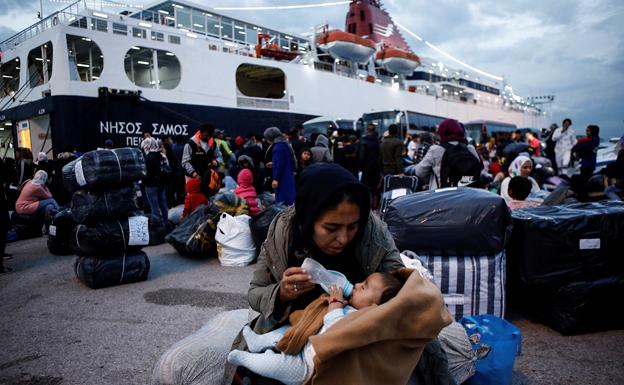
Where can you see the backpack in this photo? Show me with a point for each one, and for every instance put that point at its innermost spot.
(459, 168)
(210, 183)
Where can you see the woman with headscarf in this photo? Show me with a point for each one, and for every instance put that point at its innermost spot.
(35, 198)
(521, 166)
(155, 179)
(332, 223)
(451, 133)
(283, 165)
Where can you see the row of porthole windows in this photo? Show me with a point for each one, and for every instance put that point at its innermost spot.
(145, 67)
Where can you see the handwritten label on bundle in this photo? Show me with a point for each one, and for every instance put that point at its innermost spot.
(589, 244)
(138, 231)
(80, 178)
(52, 230)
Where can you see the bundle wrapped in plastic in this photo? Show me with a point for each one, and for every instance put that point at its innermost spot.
(125, 268)
(260, 224)
(113, 237)
(104, 168)
(59, 233)
(453, 221)
(551, 245)
(230, 203)
(115, 203)
(195, 236)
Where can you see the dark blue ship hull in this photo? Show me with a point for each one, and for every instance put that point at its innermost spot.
(87, 122)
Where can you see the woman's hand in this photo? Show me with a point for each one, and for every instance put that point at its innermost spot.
(295, 281)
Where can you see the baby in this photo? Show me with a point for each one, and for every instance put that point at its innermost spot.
(377, 289)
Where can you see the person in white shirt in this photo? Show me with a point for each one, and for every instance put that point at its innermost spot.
(564, 138)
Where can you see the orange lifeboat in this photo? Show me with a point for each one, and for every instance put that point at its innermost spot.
(267, 49)
(347, 46)
(397, 60)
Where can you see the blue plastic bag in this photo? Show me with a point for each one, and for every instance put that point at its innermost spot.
(504, 341)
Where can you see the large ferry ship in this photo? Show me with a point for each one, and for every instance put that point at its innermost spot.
(85, 74)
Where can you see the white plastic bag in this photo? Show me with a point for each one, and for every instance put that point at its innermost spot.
(235, 245)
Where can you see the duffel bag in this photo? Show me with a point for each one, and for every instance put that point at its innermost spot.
(452, 221)
(195, 236)
(108, 238)
(59, 233)
(126, 268)
(116, 203)
(104, 168)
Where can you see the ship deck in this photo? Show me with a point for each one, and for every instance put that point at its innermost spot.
(57, 331)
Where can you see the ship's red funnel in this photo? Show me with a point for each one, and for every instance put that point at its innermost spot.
(369, 20)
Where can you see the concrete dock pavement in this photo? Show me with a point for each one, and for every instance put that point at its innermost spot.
(54, 330)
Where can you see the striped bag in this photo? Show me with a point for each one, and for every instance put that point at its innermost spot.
(471, 285)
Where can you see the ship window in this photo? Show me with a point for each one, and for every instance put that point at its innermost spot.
(85, 59)
(138, 32)
(370, 26)
(152, 68)
(99, 25)
(251, 36)
(362, 15)
(80, 23)
(213, 26)
(9, 77)
(40, 65)
(226, 29)
(158, 36)
(174, 39)
(183, 18)
(199, 22)
(260, 81)
(120, 29)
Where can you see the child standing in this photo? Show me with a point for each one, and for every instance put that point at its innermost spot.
(194, 196)
(247, 191)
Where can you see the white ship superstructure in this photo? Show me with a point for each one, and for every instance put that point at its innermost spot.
(85, 75)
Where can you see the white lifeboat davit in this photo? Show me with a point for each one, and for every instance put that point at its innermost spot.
(347, 46)
(397, 60)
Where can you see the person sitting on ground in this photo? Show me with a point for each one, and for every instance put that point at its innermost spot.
(35, 198)
(296, 369)
(614, 178)
(194, 197)
(495, 169)
(247, 191)
(332, 223)
(535, 146)
(519, 189)
(521, 166)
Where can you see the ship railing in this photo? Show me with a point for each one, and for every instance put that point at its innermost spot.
(61, 16)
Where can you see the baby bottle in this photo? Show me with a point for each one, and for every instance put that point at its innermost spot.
(327, 278)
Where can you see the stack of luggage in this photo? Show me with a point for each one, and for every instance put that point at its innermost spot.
(567, 264)
(195, 237)
(459, 235)
(110, 230)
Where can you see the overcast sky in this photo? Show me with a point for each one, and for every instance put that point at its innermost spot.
(571, 48)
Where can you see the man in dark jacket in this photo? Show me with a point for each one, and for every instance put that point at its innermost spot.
(369, 163)
(391, 152)
(201, 152)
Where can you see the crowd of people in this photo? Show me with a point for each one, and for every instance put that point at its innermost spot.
(517, 165)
